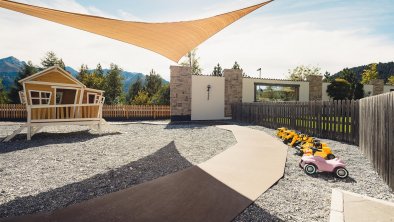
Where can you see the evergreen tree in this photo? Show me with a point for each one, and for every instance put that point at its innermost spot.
(236, 65)
(3, 93)
(83, 74)
(99, 70)
(134, 89)
(328, 77)
(162, 97)
(359, 91)
(370, 73)
(94, 80)
(217, 70)
(153, 83)
(51, 59)
(27, 70)
(339, 89)
(192, 61)
(142, 98)
(113, 85)
(98, 78)
(350, 76)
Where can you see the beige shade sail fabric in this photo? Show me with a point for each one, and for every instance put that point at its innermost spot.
(172, 39)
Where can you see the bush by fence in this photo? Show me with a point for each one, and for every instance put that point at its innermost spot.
(337, 120)
(377, 134)
(121, 112)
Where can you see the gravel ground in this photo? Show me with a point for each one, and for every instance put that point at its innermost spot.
(299, 197)
(65, 165)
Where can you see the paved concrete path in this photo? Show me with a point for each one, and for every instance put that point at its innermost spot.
(216, 190)
(352, 207)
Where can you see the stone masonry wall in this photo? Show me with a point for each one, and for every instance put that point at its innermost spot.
(378, 86)
(315, 88)
(180, 93)
(232, 89)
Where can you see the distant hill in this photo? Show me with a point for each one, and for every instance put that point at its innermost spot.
(11, 66)
(385, 70)
(9, 69)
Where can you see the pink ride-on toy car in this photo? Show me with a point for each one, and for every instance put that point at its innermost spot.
(314, 164)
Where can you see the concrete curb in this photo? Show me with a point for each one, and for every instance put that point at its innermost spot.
(336, 212)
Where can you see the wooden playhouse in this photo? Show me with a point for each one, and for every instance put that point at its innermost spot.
(54, 97)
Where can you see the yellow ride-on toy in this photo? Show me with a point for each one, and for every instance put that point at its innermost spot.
(286, 133)
(289, 136)
(318, 149)
(280, 131)
(298, 139)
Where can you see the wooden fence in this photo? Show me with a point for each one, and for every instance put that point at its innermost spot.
(337, 120)
(377, 134)
(120, 112)
(12, 111)
(136, 112)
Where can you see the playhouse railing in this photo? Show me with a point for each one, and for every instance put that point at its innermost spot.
(59, 113)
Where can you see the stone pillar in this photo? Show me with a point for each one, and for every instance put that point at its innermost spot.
(378, 86)
(315, 87)
(180, 93)
(232, 89)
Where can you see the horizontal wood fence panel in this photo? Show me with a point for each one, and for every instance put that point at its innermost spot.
(120, 112)
(377, 134)
(337, 120)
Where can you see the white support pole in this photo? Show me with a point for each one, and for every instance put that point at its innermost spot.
(29, 132)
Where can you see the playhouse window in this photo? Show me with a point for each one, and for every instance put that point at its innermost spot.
(22, 97)
(92, 98)
(40, 97)
(59, 97)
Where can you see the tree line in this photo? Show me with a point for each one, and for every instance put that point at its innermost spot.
(344, 85)
(150, 91)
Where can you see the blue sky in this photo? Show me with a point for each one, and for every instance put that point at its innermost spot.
(331, 34)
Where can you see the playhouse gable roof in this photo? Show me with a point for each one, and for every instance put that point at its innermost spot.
(53, 74)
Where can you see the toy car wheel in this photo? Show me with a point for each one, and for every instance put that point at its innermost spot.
(341, 172)
(330, 156)
(310, 169)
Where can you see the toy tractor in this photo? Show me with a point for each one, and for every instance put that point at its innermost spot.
(306, 144)
(280, 131)
(314, 164)
(298, 139)
(290, 135)
(319, 150)
(286, 133)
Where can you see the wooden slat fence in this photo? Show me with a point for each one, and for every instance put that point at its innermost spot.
(12, 111)
(377, 134)
(136, 112)
(120, 112)
(337, 120)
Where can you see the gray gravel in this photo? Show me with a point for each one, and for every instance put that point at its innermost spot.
(66, 165)
(298, 197)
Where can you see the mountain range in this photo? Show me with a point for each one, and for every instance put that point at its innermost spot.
(11, 66)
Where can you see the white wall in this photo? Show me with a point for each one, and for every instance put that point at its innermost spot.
(368, 90)
(248, 88)
(388, 88)
(202, 108)
(325, 96)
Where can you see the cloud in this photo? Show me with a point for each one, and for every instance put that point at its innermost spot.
(277, 46)
(275, 42)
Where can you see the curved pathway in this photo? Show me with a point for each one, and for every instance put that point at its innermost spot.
(216, 190)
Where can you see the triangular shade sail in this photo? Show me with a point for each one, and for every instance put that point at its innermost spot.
(172, 40)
